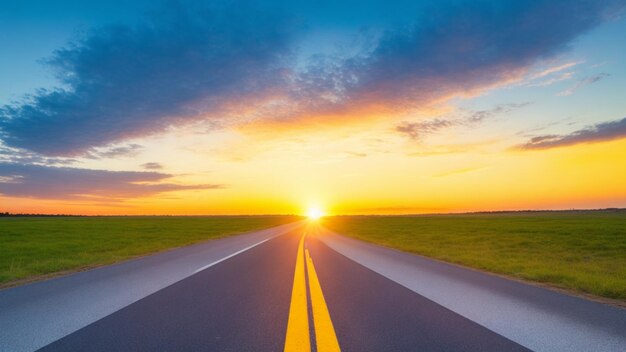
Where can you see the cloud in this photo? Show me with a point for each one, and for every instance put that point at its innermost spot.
(19, 156)
(583, 83)
(418, 130)
(481, 115)
(46, 182)
(115, 152)
(601, 132)
(554, 69)
(461, 49)
(236, 63)
(561, 77)
(152, 166)
(552, 74)
(123, 81)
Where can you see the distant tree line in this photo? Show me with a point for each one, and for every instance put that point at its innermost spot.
(549, 211)
(495, 212)
(7, 214)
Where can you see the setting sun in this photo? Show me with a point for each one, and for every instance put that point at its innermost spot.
(314, 213)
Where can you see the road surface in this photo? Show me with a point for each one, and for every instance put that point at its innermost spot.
(298, 287)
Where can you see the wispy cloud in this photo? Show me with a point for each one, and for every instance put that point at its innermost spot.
(20, 156)
(583, 83)
(417, 131)
(605, 131)
(481, 115)
(129, 150)
(46, 182)
(558, 78)
(152, 166)
(554, 69)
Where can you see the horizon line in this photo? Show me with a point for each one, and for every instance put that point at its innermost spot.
(9, 214)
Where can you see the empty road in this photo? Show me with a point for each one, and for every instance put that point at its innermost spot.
(298, 287)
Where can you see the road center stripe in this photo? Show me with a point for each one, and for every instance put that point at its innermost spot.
(325, 337)
(298, 339)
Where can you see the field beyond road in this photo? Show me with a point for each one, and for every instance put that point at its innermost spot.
(580, 251)
(37, 247)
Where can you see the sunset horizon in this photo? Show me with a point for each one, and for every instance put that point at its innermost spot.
(193, 108)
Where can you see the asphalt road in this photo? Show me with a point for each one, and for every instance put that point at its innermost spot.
(240, 304)
(373, 313)
(280, 290)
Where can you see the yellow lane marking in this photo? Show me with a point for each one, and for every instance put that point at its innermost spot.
(298, 339)
(325, 338)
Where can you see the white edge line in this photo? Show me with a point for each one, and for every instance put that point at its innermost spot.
(231, 255)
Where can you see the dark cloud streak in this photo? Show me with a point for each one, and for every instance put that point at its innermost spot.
(152, 166)
(583, 83)
(45, 182)
(601, 132)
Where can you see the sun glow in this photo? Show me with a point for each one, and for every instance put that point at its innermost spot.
(314, 213)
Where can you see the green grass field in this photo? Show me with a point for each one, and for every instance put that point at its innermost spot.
(35, 247)
(580, 251)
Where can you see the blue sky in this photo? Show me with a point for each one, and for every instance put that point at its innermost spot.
(32, 30)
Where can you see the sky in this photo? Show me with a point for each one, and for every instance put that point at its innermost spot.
(276, 107)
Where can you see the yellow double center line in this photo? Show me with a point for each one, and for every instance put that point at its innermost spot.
(298, 334)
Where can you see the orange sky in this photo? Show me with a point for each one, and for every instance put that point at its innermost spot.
(346, 172)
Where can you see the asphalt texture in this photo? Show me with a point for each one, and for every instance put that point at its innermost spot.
(241, 304)
(372, 313)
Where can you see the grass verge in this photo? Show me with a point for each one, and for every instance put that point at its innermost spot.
(580, 251)
(35, 247)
